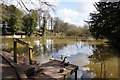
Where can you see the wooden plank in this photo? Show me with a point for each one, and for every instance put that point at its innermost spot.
(71, 71)
(22, 69)
(53, 67)
(16, 66)
(21, 42)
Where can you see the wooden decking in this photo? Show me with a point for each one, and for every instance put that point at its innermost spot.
(47, 70)
(52, 68)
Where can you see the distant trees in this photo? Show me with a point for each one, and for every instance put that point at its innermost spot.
(105, 23)
(19, 20)
(69, 29)
(72, 30)
(41, 8)
(58, 25)
(44, 25)
(77, 31)
(51, 22)
(30, 22)
(12, 17)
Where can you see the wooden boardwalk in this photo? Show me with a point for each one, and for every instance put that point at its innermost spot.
(47, 70)
(52, 68)
(7, 71)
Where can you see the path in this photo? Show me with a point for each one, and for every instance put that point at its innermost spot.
(7, 71)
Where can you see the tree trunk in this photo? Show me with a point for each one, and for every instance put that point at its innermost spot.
(51, 24)
(44, 25)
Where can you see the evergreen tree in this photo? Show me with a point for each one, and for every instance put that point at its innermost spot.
(105, 23)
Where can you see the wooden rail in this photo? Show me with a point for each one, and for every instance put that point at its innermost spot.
(15, 41)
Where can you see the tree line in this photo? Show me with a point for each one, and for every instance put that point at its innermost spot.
(17, 20)
(70, 29)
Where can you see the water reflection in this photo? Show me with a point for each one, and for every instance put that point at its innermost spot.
(96, 61)
(103, 63)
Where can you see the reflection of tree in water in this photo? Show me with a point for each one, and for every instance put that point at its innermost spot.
(102, 61)
(42, 49)
(46, 49)
(102, 53)
(57, 47)
(22, 49)
(7, 44)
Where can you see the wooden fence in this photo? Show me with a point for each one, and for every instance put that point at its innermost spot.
(15, 41)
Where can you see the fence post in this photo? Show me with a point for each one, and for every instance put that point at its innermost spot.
(15, 53)
(76, 73)
(30, 56)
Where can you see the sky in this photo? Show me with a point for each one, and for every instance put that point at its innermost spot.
(74, 11)
(71, 11)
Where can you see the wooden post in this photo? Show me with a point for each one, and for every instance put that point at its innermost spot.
(30, 56)
(64, 77)
(101, 71)
(76, 73)
(15, 53)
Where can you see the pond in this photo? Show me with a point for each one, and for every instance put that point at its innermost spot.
(94, 58)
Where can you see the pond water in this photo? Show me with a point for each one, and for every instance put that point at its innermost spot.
(94, 58)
